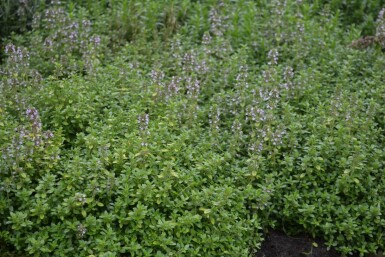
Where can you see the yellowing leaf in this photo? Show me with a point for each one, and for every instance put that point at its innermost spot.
(205, 211)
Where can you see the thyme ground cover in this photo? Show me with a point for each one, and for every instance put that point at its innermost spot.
(188, 128)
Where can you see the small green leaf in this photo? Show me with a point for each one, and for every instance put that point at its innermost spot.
(205, 211)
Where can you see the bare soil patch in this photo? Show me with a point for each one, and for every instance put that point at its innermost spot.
(277, 244)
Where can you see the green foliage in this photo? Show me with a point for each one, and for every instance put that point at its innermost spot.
(358, 12)
(186, 128)
(16, 16)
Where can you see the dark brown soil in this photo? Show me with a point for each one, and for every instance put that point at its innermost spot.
(277, 244)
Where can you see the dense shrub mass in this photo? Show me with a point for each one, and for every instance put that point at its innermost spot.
(187, 128)
(361, 13)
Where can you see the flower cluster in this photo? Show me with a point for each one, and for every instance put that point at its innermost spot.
(241, 79)
(66, 36)
(193, 88)
(255, 114)
(157, 78)
(206, 42)
(54, 16)
(270, 75)
(288, 75)
(256, 147)
(176, 49)
(33, 116)
(214, 118)
(234, 101)
(217, 22)
(277, 136)
(273, 57)
(80, 198)
(336, 104)
(17, 73)
(82, 230)
(23, 8)
(28, 140)
(264, 135)
(380, 30)
(223, 48)
(300, 30)
(143, 122)
(191, 64)
(173, 87)
(236, 129)
(269, 95)
(17, 57)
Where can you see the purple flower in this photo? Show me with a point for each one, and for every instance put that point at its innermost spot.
(193, 88)
(143, 121)
(33, 116)
(82, 230)
(273, 57)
